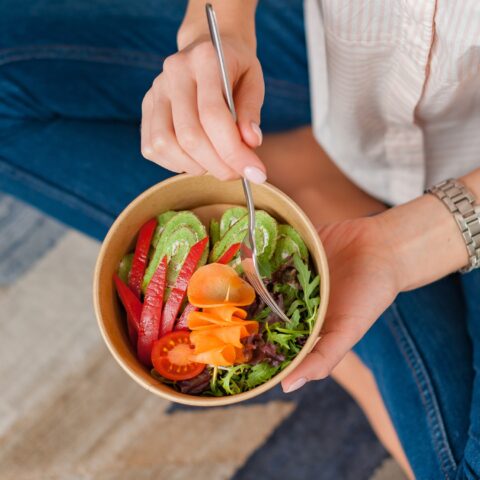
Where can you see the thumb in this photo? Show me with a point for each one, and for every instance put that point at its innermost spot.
(249, 95)
(331, 347)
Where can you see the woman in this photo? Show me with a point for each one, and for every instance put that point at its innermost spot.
(396, 106)
(386, 114)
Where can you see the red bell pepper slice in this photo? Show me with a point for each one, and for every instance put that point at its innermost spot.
(133, 307)
(179, 290)
(151, 314)
(229, 254)
(140, 257)
(182, 322)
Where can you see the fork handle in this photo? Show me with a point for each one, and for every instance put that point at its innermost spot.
(227, 91)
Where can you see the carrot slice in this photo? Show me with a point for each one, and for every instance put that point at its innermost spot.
(224, 335)
(203, 321)
(215, 329)
(226, 312)
(210, 317)
(216, 285)
(198, 322)
(203, 342)
(222, 356)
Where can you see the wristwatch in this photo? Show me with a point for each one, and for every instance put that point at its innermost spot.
(461, 203)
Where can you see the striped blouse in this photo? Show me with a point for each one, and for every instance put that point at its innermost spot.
(396, 90)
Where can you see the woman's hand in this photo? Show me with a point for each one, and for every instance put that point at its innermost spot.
(363, 281)
(186, 123)
(371, 260)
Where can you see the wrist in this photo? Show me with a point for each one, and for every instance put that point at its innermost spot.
(425, 241)
(236, 19)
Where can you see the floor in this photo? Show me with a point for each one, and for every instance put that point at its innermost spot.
(67, 411)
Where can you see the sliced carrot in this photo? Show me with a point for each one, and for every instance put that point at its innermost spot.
(211, 317)
(216, 285)
(204, 321)
(222, 356)
(225, 335)
(226, 312)
(203, 342)
(198, 322)
(215, 329)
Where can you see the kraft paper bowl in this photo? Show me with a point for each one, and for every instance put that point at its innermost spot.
(208, 197)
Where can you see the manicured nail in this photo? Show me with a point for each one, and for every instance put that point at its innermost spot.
(258, 132)
(254, 174)
(296, 385)
(147, 152)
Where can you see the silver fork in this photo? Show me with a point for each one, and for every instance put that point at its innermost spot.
(248, 249)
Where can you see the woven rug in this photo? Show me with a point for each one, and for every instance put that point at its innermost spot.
(67, 410)
(25, 235)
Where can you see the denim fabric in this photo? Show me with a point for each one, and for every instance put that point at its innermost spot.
(72, 78)
(425, 354)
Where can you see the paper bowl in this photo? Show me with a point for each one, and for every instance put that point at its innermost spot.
(208, 197)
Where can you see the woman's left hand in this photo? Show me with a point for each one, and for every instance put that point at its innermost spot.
(363, 284)
(371, 260)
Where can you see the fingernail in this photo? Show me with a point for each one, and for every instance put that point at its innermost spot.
(258, 132)
(296, 385)
(254, 174)
(147, 152)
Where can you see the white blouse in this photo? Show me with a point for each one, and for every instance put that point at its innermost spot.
(396, 90)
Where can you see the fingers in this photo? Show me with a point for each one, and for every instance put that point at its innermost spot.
(190, 135)
(167, 151)
(186, 123)
(249, 95)
(158, 142)
(147, 110)
(320, 362)
(221, 129)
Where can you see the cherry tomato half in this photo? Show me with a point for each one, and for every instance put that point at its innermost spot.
(171, 356)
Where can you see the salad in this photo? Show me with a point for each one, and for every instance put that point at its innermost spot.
(191, 315)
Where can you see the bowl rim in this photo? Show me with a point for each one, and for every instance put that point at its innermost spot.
(195, 400)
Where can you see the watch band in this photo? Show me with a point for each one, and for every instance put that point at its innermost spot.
(461, 203)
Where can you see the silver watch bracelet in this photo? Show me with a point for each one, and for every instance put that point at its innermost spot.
(461, 204)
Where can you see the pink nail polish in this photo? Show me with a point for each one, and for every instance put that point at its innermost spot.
(254, 174)
(258, 132)
(296, 385)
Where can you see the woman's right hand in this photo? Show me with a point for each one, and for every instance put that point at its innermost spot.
(186, 123)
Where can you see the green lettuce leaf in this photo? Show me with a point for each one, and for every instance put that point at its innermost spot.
(260, 373)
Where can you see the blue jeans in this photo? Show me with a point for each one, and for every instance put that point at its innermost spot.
(424, 352)
(72, 78)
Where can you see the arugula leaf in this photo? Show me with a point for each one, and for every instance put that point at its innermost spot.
(233, 385)
(297, 305)
(260, 373)
(294, 320)
(309, 287)
(293, 333)
(311, 320)
(282, 339)
(303, 272)
(312, 287)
